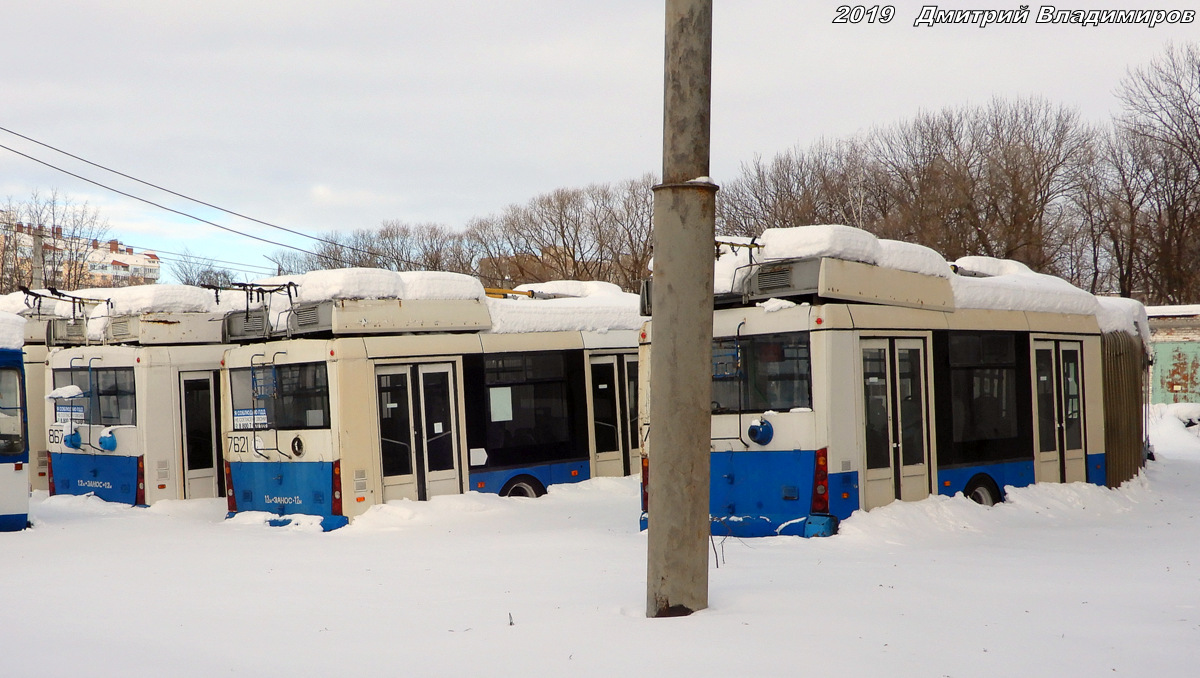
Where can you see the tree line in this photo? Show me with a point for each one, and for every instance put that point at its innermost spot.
(1114, 208)
(600, 232)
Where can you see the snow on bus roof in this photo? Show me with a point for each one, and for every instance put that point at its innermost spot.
(585, 306)
(826, 240)
(19, 302)
(1011, 285)
(158, 299)
(378, 283)
(986, 283)
(1120, 314)
(12, 330)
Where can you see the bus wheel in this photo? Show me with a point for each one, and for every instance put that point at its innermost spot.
(523, 486)
(983, 490)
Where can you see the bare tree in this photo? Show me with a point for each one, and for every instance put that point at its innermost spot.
(66, 231)
(190, 269)
(1162, 101)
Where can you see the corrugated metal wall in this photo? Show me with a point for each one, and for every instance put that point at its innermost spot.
(1125, 371)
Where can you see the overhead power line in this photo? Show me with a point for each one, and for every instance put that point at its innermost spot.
(182, 258)
(164, 207)
(186, 197)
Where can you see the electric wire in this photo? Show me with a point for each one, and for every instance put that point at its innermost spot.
(181, 257)
(169, 209)
(186, 197)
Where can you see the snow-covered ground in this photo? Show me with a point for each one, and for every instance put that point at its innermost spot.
(1059, 581)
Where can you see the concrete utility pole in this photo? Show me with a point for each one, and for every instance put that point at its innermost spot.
(681, 352)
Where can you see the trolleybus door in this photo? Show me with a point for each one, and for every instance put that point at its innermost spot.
(440, 429)
(610, 454)
(418, 431)
(200, 449)
(1058, 386)
(633, 451)
(894, 420)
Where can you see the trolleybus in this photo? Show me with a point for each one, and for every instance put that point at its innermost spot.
(133, 387)
(369, 389)
(14, 451)
(850, 372)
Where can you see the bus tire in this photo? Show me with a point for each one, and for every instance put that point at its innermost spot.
(983, 490)
(523, 486)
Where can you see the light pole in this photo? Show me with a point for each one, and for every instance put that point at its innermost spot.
(681, 352)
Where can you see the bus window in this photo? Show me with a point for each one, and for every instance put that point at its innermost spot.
(987, 416)
(529, 413)
(12, 433)
(299, 399)
(763, 372)
(109, 398)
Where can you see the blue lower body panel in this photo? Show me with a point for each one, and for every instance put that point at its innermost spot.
(1097, 469)
(1005, 474)
(110, 477)
(760, 494)
(13, 522)
(286, 488)
(546, 474)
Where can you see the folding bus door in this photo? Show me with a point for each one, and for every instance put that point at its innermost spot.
(418, 431)
(1058, 398)
(633, 451)
(200, 441)
(610, 457)
(896, 428)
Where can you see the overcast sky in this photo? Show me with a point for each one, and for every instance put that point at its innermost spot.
(338, 115)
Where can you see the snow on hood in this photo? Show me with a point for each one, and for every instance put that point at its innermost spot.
(12, 330)
(591, 306)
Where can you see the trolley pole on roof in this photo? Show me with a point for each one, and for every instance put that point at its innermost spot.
(681, 353)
